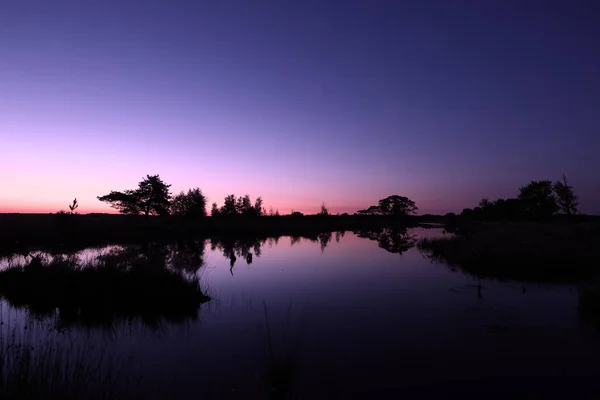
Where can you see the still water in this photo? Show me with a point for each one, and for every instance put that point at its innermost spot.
(357, 317)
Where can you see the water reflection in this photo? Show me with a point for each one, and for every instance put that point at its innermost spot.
(395, 240)
(232, 248)
(369, 323)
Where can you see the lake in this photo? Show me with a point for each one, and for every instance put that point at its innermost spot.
(344, 316)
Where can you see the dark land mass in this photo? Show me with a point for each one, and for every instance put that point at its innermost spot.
(558, 252)
(125, 284)
(77, 231)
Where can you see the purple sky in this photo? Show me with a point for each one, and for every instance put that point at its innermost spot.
(300, 102)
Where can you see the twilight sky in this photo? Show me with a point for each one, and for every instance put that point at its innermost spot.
(298, 101)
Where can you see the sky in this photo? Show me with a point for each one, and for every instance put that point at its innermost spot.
(300, 102)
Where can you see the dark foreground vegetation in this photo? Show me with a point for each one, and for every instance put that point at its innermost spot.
(534, 252)
(537, 236)
(38, 365)
(118, 286)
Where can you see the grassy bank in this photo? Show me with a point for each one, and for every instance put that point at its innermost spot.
(551, 252)
(114, 287)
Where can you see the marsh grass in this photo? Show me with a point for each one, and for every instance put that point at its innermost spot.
(554, 253)
(95, 293)
(39, 364)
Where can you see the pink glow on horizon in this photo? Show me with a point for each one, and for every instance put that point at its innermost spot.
(62, 165)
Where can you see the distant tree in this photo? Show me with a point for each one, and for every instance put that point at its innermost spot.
(191, 204)
(258, 207)
(271, 212)
(537, 199)
(73, 206)
(244, 207)
(229, 206)
(398, 206)
(296, 214)
(392, 205)
(152, 197)
(566, 198)
(214, 211)
(277, 212)
(324, 210)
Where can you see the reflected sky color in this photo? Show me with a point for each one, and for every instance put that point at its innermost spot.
(359, 319)
(344, 102)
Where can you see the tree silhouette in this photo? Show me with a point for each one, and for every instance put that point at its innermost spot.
(393, 205)
(126, 202)
(258, 207)
(191, 204)
(152, 197)
(538, 200)
(324, 210)
(397, 205)
(229, 206)
(244, 206)
(566, 198)
(214, 211)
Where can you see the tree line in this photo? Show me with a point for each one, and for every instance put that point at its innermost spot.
(538, 200)
(153, 197)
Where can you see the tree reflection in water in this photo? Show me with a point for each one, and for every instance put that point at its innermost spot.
(395, 239)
